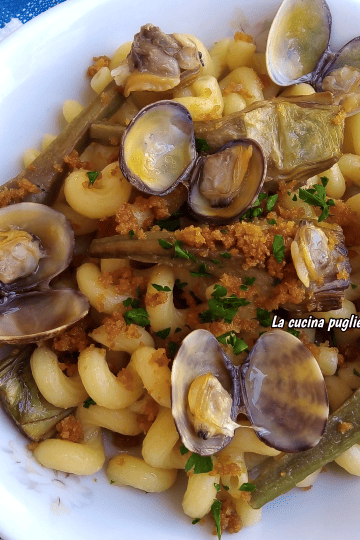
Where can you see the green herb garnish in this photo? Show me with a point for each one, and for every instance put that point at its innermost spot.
(316, 196)
(230, 338)
(195, 521)
(92, 176)
(89, 401)
(293, 332)
(215, 261)
(178, 329)
(246, 486)
(353, 286)
(215, 510)
(179, 284)
(264, 317)
(217, 487)
(272, 221)
(138, 316)
(224, 231)
(182, 253)
(226, 255)
(173, 348)
(201, 271)
(201, 464)
(221, 307)
(183, 450)
(163, 334)
(278, 248)
(226, 488)
(355, 372)
(172, 223)
(270, 203)
(161, 288)
(165, 244)
(202, 145)
(112, 481)
(131, 233)
(138, 291)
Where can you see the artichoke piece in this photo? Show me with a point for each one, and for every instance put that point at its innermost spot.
(20, 397)
(300, 137)
(279, 387)
(320, 259)
(158, 62)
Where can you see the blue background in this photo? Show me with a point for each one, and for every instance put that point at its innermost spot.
(23, 9)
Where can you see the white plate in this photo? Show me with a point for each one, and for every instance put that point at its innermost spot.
(42, 64)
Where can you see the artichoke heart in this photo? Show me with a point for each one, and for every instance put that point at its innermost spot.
(20, 253)
(210, 405)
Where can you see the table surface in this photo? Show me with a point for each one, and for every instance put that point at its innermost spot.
(23, 9)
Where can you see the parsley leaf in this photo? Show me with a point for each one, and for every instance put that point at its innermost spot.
(355, 372)
(131, 233)
(222, 308)
(226, 255)
(215, 261)
(278, 248)
(202, 145)
(215, 510)
(226, 488)
(173, 348)
(230, 338)
(316, 196)
(183, 450)
(89, 401)
(219, 291)
(179, 284)
(250, 281)
(247, 486)
(171, 223)
(178, 329)
(160, 288)
(138, 316)
(163, 334)
(182, 253)
(201, 271)
(127, 302)
(164, 244)
(224, 231)
(217, 487)
(270, 203)
(264, 317)
(293, 332)
(195, 521)
(353, 286)
(112, 481)
(92, 176)
(138, 292)
(272, 221)
(201, 464)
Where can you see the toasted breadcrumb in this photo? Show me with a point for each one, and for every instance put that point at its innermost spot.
(98, 63)
(229, 519)
(344, 427)
(156, 299)
(348, 220)
(70, 429)
(74, 339)
(149, 412)
(14, 195)
(31, 446)
(159, 357)
(127, 379)
(75, 162)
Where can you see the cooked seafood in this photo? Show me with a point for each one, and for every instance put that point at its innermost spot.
(291, 57)
(279, 387)
(158, 62)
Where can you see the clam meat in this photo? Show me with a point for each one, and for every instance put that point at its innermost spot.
(36, 244)
(298, 51)
(279, 387)
(158, 62)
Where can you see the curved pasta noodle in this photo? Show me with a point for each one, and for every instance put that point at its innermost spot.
(233, 454)
(164, 314)
(218, 54)
(249, 516)
(80, 224)
(103, 299)
(160, 447)
(155, 378)
(103, 386)
(53, 384)
(84, 458)
(328, 360)
(300, 89)
(122, 341)
(349, 165)
(246, 441)
(121, 421)
(101, 199)
(207, 102)
(338, 391)
(250, 84)
(350, 460)
(336, 186)
(101, 79)
(200, 494)
(125, 470)
(239, 53)
(309, 480)
(71, 109)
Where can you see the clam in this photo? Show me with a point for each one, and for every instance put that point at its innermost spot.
(298, 51)
(226, 183)
(158, 148)
(279, 387)
(36, 244)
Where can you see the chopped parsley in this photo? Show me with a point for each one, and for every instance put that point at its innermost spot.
(201, 271)
(201, 464)
(179, 284)
(316, 196)
(182, 253)
(133, 302)
(353, 286)
(138, 316)
(278, 248)
(202, 145)
(165, 244)
(161, 288)
(247, 283)
(195, 521)
(217, 487)
(272, 221)
(215, 261)
(112, 481)
(131, 233)
(224, 231)
(271, 201)
(226, 488)
(246, 486)
(226, 255)
(293, 332)
(183, 450)
(173, 348)
(138, 292)
(178, 329)
(221, 306)
(294, 197)
(215, 510)
(89, 401)
(92, 176)
(172, 223)
(264, 317)
(230, 338)
(355, 372)
(163, 334)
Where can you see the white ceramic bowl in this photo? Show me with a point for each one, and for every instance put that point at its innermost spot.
(42, 64)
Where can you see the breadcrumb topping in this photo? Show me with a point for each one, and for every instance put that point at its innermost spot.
(70, 429)
(15, 195)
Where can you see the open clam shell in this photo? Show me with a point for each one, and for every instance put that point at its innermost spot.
(36, 244)
(279, 387)
(226, 183)
(158, 148)
(39, 315)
